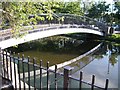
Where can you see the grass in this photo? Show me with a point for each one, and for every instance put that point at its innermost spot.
(113, 38)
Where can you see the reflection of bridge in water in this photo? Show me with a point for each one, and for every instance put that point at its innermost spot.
(82, 60)
(72, 61)
(71, 24)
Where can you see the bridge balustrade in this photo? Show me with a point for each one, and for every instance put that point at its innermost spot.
(69, 21)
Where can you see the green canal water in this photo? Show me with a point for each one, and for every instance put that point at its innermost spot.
(103, 62)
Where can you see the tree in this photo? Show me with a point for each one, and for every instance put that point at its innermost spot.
(117, 14)
(98, 11)
(86, 5)
(16, 14)
(69, 8)
(73, 8)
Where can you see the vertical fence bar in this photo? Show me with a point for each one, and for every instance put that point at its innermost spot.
(3, 63)
(55, 77)
(106, 84)
(93, 81)
(1, 74)
(47, 75)
(34, 74)
(6, 54)
(19, 71)
(40, 74)
(10, 66)
(23, 70)
(80, 83)
(29, 72)
(14, 69)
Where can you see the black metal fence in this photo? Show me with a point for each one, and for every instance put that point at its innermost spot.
(24, 73)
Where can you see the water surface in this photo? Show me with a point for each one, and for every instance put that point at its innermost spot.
(103, 62)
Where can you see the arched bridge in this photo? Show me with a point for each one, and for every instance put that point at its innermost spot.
(70, 24)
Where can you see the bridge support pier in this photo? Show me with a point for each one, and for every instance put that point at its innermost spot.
(110, 31)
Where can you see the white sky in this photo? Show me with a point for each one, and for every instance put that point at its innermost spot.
(108, 1)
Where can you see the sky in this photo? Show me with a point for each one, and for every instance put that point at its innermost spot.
(108, 1)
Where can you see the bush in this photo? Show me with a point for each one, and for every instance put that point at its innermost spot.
(115, 36)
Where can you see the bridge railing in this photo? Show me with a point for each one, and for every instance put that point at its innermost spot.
(62, 21)
(26, 73)
(76, 21)
(83, 20)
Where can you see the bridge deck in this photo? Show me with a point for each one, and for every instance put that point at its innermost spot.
(46, 32)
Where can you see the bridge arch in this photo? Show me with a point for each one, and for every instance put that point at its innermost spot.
(45, 33)
(80, 24)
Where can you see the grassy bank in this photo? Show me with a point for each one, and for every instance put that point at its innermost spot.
(113, 38)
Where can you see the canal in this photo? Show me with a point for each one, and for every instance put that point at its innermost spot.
(102, 62)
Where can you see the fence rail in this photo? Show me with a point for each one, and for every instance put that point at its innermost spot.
(13, 67)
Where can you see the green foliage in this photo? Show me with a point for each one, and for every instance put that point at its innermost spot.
(98, 10)
(101, 11)
(15, 15)
(117, 14)
(115, 36)
(18, 14)
(113, 59)
(69, 7)
(73, 8)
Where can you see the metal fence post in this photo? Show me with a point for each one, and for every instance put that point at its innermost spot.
(34, 70)
(48, 75)
(19, 71)
(40, 74)
(67, 70)
(6, 58)
(23, 67)
(106, 84)
(93, 81)
(0, 68)
(28, 72)
(14, 60)
(80, 83)
(55, 77)
(3, 58)
(11, 66)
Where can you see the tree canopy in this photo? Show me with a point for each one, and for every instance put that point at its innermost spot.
(102, 11)
(117, 14)
(98, 10)
(16, 14)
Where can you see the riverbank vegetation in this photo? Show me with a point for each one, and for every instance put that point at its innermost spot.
(114, 38)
